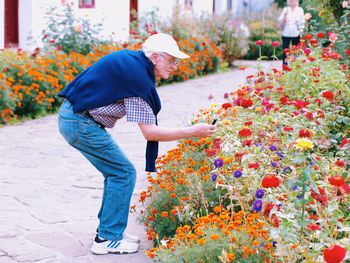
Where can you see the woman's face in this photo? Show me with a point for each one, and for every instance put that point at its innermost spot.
(164, 64)
(293, 3)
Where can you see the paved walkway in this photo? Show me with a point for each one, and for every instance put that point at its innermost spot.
(50, 195)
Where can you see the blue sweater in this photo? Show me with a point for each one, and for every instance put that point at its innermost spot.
(114, 77)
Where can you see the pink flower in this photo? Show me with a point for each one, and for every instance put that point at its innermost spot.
(332, 37)
(259, 43)
(275, 44)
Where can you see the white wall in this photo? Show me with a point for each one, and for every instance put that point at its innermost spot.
(113, 15)
(164, 7)
(2, 23)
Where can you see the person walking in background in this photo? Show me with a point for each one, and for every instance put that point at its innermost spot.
(291, 22)
(121, 84)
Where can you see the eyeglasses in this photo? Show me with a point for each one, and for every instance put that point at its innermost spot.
(172, 61)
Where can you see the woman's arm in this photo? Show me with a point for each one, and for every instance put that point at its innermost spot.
(152, 132)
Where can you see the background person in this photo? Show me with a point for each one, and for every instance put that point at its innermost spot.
(121, 84)
(291, 22)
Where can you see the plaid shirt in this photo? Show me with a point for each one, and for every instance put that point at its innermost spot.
(135, 108)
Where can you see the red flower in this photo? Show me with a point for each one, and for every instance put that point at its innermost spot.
(245, 132)
(259, 43)
(321, 35)
(307, 51)
(347, 52)
(275, 44)
(254, 165)
(329, 95)
(300, 104)
(226, 105)
(288, 128)
(217, 143)
(248, 123)
(304, 133)
(286, 68)
(270, 181)
(307, 36)
(340, 163)
(268, 209)
(322, 198)
(246, 103)
(334, 254)
(211, 152)
(247, 143)
(314, 42)
(336, 180)
(344, 142)
(313, 227)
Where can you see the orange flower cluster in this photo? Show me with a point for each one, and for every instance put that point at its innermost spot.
(244, 231)
(33, 82)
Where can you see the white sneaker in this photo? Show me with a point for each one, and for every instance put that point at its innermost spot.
(102, 247)
(131, 238)
(128, 237)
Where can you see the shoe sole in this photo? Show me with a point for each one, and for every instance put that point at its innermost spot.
(104, 252)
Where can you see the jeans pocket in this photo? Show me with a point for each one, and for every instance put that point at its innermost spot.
(69, 129)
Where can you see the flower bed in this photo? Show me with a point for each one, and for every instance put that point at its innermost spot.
(29, 83)
(273, 184)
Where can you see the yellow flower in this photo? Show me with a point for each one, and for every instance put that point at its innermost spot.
(304, 143)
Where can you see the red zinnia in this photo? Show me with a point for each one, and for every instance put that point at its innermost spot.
(334, 254)
(307, 36)
(245, 132)
(304, 133)
(340, 163)
(347, 52)
(246, 103)
(270, 181)
(322, 198)
(336, 180)
(321, 35)
(307, 51)
(313, 227)
(300, 104)
(329, 95)
(226, 105)
(254, 165)
(344, 142)
(288, 128)
(248, 123)
(268, 209)
(259, 43)
(275, 44)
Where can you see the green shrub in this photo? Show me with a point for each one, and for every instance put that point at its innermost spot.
(67, 32)
(268, 34)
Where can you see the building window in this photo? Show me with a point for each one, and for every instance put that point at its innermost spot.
(229, 5)
(86, 3)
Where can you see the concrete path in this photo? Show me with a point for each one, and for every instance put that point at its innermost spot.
(50, 195)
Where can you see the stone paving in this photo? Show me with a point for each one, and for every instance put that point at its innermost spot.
(50, 194)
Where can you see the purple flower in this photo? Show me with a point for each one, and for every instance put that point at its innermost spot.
(214, 177)
(225, 95)
(273, 147)
(280, 154)
(259, 193)
(237, 173)
(286, 170)
(274, 164)
(218, 163)
(257, 205)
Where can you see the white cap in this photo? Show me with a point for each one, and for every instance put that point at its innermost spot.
(163, 43)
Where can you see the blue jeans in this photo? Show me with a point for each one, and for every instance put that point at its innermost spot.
(97, 145)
